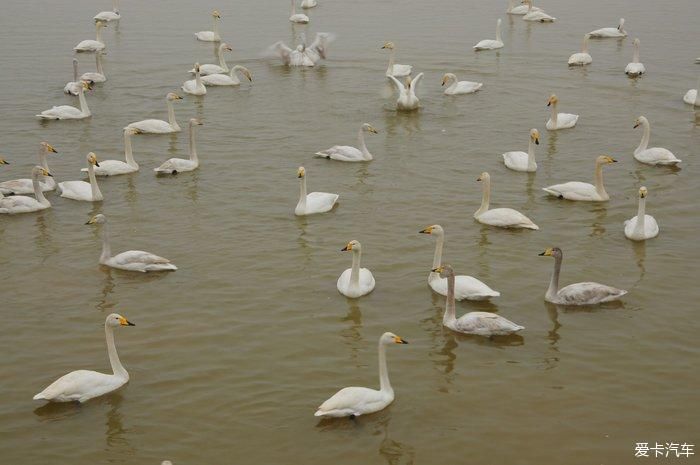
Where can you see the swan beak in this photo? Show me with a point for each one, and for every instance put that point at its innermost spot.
(611, 160)
(3, 162)
(399, 340)
(51, 149)
(643, 195)
(537, 141)
(636, 125)
(437, 270)
(546, 253)
(443, 81)
(97, 164)
(124, 322)
(347, 248)
(479, 178)
(428, 230)
(46, 173)
(549, 103)
(373, 131)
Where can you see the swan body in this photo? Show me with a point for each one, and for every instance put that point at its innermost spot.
(355, 282)
(308, 3)
(67, 111)
(179, 165)
(210, 36)
(559, 120)
(521, 161)
(117, 167)
(132, 260)
(582, 190)
(642, 226)
(537, 14)
(221, 68)
(466, 287)
(23, 204)
(459, 87)
(315, 202)
(295, 17)
(691, 97)
(26, 186)
(109, 15)
(635, 68)
(230, 79)
(500, 217)
(351, 154)
(356, 401)
(519, 10)
(586, 293)
(490, 44)
(582, 58)
(610, 32)
(93, 45)
(653, 155)
(303, 55)
(407, 100)
(395, 69)
(195, 86)
(158, 126)
(81, 190)
(99, 74)
(73, 87)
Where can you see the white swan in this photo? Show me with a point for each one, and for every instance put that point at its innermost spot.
(308, 3)
(109, 15)
(691, 97)
(355, 281)
(158, 126)
(230, 79)
(537, 14)
(290, 57)
(587, 293)
(520, 9)
(582, 58)
(221, 68)
(395, 69)
(355, 401)
(576, 190)
(117, 167)
(654, 155)
(559, 120)
(478, 323)
(521, 161)
(195, 86)
(67, 111)
(490, 44)
(81, 190)
(26, 186)
(83, 385)
(297, 17)
(73, 87)
(93, 45)
(347, 153)
(179, 165)
(132, 260)
(466, 287)
(642, 226)
(407, 100)
(315, 202)
(99, 75)
(607, 32)
(500, 217)
(635, 68)
(319, 47)
(210, 36)
(23, 204)
(459, 87)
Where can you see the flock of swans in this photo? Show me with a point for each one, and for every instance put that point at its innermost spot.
(355, 281)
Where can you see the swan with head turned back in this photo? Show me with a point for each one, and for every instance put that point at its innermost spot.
(73, 87)
(109, 15)
(158, 126)
(179, 165)
(407, 100)
(478, 323)
(691, 97)
(490, 44)
(635, 68)
(24, 204)
(93, 45)
(355, 401)
(557, 120)
(81, 190)
(26, 185)
(582, 58)
(315, 202)
(466, 287)
(521, 161)
(348, 153)
(536, 14)
(210, 36)
(230, 79)
(610, 32)
(584, 191)
(117, 167)
(132, 260)
(355, 281)
(459, 87)
(500, 217)
(99, 74)
(586, 293)
(295, 17)
(83, 385)
(195, 86)
(67, 111)
(221, 68)
(519, 10)
(395, 69)
(642, 226)
(653, 155)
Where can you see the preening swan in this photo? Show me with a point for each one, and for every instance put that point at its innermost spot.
(635, 68)
(395, 69)
(478, 323)
(109, 15)
(521, 161)
(221, 68)
(179, 165)
(407, 100)
(355, 282)
(347, 153)
(23, 204)
(83, 385)
(303, 55)
(654, 155)
(132, 260)
(520, 9)
(230, 79)
(583, 58)
(73, 87)
(99, 75)
(117, 167)
(195, 86)
(466, 287)
(691, 97)
(93, 45)
(575, 190)
(587, 293)
(297, 17)
(158, 126)
(210, 36)
(308, 3)
(489, 44)
(642, 226)
(459, 87)
(26, 186)
(501, 217)
(81, 190)
(355, 401)
(67, 111)
(559, 120)
(537, 14)
(615, 32)
(315, 202)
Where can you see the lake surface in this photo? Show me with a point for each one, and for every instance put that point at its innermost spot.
(232, 353)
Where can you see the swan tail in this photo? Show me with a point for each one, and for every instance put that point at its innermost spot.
(319, 413)
(161, 267)
(40, 396)
(531, 226)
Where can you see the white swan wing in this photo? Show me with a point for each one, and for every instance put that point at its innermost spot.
(488, 44)
(72, 88)
(564, 121)
(75, 190)
(466, 288)
(415, 82)
(573, 190)
(62, 112)
(400, 70)
(517, 161)
(191, 87)
(467, 87)
(80, 386)
(138, 260)
(94, 77)
(320, 202)
(588, 293)
(107, 16)
(112, 168)
(607, 32)
(540, 16)
(342, 153)
(580, 58)
(219, 80)
(635, 69)
(354, 401)
(207, 69)
(154, 126)
(320, 45)
(506, 218)
(280, 50)
(207, 36)
(657, 156)
(399, 86)
(485, 324)
(20, 204)
(176, 165)
(89, 45)
(25, 186)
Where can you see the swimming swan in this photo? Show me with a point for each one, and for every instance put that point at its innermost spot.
(489, 44)
(195, 86)
(67, 111)
(352, 154)
(610, 32)
(93, 45)
(315, 202)
(221, 68)
(587, 293)
(395, 69)
(109, 15)
(521, 161)
(81, 190)
(210, 36)
(73, 87)
(575, 190)
(654, 155)
(520, 9)
(538, 14)
(407, 100)
(179, 165)
(99, 75)
(500, 217)
(459, 87)
(559, 120)
(635, 68)
(132, 260)
(158, 126)
(23, 204)
(297, 17)
(691, 97)
(582, 58)
(355, 401)
(26, 186)
(466, 287)
(642, 226)
(230, 79)
(117, 167)
(355, 281)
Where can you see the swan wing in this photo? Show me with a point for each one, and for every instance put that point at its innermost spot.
(342, 153)
(157, 126)
(206, 36)
(588, 293)
(353, 401)
(399, 86)
(207, 69)
(516, 160)
(506, 218)
(466, 288)
(138, 260)
(415, 82)
(319, 202)
(573, 190)
(72, 88)
(176, 164)
(80, 385)
(89, 45)
(485, 324)
(657, 156)
(321, 43)
(218, 80)
(279, 49)
(467, 87)
(76, 190)
(24, 186)
(61, 112)
(112, 168)
(20, 204)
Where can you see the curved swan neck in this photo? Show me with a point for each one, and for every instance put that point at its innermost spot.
(384, 384)
(450, 311)
(106, 250)
(38, 193)
(294, 7)
(437, 256)
(302, 193)
(127, 151)
(171, 116)
(98, 63)
(641, 215)
(355, 271)
(94, 188)
(390, 69)
(193, 147)
(222, 61)
(197, 79)
(84, 109)
(554, 115)
(98, 32)
(645, 136)
(531, 154)
(117, 366)
(43, 158)
(453, 85)
(216, 26)
(599, 187)
(554, 282)
(363, 146)
(485, 197)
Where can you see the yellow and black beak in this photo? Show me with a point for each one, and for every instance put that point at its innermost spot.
(437, 270)
(636, 125)
(537, 141)
(546, 253)
(347, 248)
(3, 162)
(90, 221)
(428, 230)
(399, 340)
(479, 178)
(124, 322)
(51, 149)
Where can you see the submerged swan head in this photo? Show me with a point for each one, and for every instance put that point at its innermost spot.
(216, 14)
(97, 219)
(48, 147)
(115, 320)
(552, 100)
(369, 128)
(353, 245)
(172, 96)
(301, 172)
(195, 122)
(535, 136)
(605, 160)
(39, 171)
(552, 252)
(92, 159)
(643, 192)
(640, 121)
(445, 271)
(391, 338)
(484, 177)
(388, 45)
(434, 229)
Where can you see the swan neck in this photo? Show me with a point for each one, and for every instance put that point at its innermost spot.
(294, 7)
(485, 197)
(554, 282)
(127, 151)
(197, 79)
(106, 250)
(498, 31)
(453, 85)
(94, 188)
(38, 193)
(43, 159)
(599, 187)
(450, 310)
(554, 114)
(635, 56)
(384, 384)
(641, 215)
(437, 256)
(302, 193)
(390, 69)
(216, 26)
(363, 146)
(531, 154)
(98, 63)
(84, 109)
(171, 116)
(355, 271)
(193, 147)
(222, 60)
(117, 366)
(98, 33)
(584, 49)
(511, 4)
(645, 137)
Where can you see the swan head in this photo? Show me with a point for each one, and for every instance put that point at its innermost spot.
(216, 14)
(552, 252)
(3, 161)
(485, 177)
(115, 320)
(97, 219)
(247, 74)
(39, 171)
(48, 147)
(445, 271)
(640, 121)
(388, 46)
(195, 122)
(605, 160)
(408, 82)
(553, 100)
(301, 172)
(369, 128)
(448, 77)
(635, 42)
(196, 67)
(92, 159)
(353, 246)
(434, 229)
(225, 47)
(172, 96)
(391, 338)
(100, 24)
(643, 192)
(535, 136)
(622, 23)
